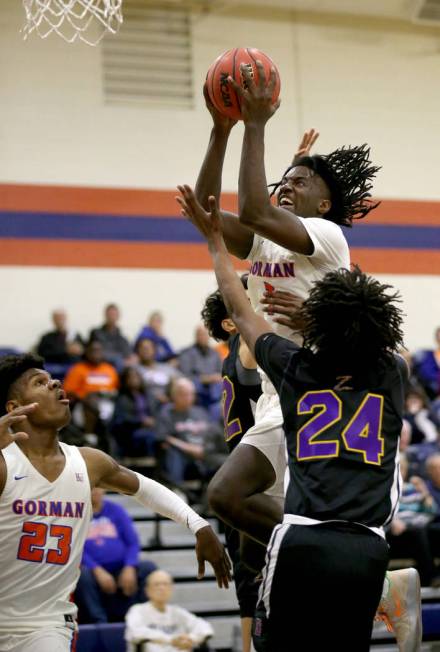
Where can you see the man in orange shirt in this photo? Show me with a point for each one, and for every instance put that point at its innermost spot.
(91, 385)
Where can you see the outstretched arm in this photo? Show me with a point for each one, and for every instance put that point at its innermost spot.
(237, 237)
(250, 325)
(105, 472)
(256, 210)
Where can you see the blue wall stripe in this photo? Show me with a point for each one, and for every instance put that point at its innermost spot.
(172, 229)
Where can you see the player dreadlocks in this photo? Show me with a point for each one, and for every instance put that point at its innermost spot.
(351, 319)
(348, 173)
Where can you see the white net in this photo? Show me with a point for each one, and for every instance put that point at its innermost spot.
(84, 20)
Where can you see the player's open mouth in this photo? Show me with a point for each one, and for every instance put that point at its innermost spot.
(285, 201)
(62, 397)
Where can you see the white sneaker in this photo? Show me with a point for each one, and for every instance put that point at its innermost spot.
(400, 609)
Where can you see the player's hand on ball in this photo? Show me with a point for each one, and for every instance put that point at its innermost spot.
(209, 548)
(221, 121)
(207, 222)
(256, 101)
(16, 416)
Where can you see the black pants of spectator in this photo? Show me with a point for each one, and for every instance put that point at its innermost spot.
(414, 544)
(95, 606)
(321, 588)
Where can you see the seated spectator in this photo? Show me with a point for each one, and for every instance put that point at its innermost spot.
(423, 428)
(185, 432)
(117, 349)
(112, 575)
(154, 332)
(408, 532)
(91, 385)
(158, 626)
(156, 375)
(202, 364)
(427, 368)
(433, 473)
(61, 347)
(133, 423)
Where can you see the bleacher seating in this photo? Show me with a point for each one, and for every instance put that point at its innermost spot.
(175, 554)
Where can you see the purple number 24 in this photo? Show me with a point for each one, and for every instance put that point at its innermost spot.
(362, 434)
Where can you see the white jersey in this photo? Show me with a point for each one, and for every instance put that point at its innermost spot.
(145, 622)
(278, 268)
(43, 526)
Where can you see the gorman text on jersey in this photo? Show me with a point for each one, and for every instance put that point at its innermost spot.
(60, 508)
(272, 270)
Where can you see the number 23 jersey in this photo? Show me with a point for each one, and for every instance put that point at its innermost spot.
(342, 436)
(43, 526)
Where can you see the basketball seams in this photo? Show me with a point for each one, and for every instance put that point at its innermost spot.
(237, 99)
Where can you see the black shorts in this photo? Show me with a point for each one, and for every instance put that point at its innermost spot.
(321, 585)
(246, 584)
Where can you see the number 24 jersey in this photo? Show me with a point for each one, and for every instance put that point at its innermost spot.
(342, 441)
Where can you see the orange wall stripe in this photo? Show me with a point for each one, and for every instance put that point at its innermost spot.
(397, 261)
(79, 253)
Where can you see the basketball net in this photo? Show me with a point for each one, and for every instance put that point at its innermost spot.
(84, 20)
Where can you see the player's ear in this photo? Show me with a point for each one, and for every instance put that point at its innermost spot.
(12, 404)
(229, 326)
(324, 206)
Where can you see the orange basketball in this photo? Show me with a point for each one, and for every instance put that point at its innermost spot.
(221, 93)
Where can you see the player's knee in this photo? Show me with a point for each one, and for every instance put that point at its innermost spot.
(222, 500)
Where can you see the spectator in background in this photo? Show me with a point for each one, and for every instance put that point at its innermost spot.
(133, 421)
(161, 627)
(156, 375)
(427, 368)
(154, 331)
(423, 428)
(60, 347)
(185, 433)
(112, 575)
(92, 385)
(202, 364)
(117, 349)
(408, 532)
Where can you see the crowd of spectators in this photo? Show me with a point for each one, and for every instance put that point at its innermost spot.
(141, 399)
(147, 399)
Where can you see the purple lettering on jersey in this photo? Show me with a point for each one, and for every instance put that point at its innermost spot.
(363, 433)
(289, 269)
(55, 508)
(326, 409)
(30, 507)
(42, 508)
(79, 509)
(17, 506)
(272, 270)
(68, 511)
(232, 427)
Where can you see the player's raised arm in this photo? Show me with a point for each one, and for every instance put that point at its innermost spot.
(256, 211)
(107, 473)
(238, 238)
(7, 437)
(250, 325)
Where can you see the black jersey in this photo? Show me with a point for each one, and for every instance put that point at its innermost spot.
(342, 435)
(237, 397)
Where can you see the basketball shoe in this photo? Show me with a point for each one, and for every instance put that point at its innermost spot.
(400, 608)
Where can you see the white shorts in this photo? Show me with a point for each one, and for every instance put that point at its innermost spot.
(268, 436)
(58, 639)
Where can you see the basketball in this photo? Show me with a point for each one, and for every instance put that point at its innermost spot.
(221, 93)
